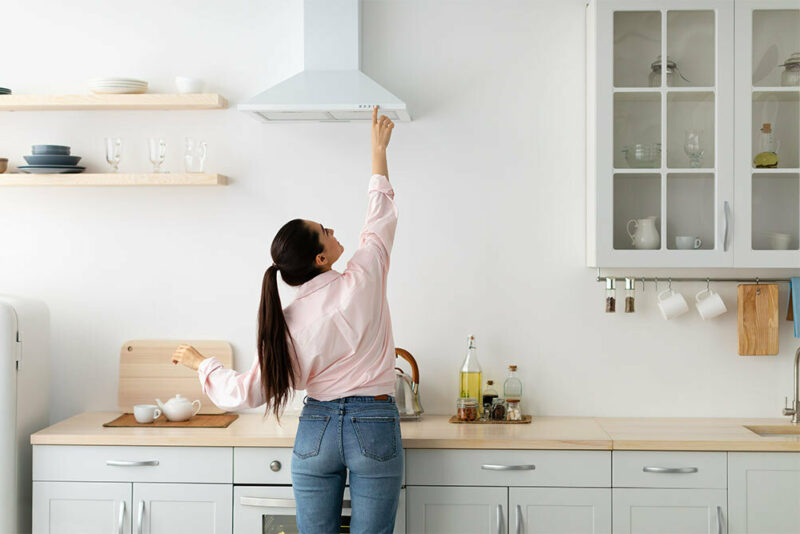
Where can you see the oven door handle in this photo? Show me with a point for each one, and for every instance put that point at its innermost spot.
(263, 502)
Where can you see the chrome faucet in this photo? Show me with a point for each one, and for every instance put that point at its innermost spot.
(794, 411)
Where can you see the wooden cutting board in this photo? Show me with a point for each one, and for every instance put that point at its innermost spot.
(146, 372)
(758, 319)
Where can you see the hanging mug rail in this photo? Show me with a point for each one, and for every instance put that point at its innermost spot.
(756, 280)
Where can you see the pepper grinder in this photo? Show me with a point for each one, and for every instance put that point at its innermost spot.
(611, 295)
(630, 295)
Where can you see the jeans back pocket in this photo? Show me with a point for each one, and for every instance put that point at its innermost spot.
(310, 430)
(377, 436)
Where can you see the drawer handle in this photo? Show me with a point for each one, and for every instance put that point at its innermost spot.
(494, 467)
(653, 469)
(131, 463)
(262, 502)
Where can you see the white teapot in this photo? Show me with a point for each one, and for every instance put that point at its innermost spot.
(179, 408)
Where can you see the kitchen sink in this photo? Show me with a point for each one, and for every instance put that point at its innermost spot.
(775, 431)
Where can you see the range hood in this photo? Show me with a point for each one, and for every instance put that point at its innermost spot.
(331, 87)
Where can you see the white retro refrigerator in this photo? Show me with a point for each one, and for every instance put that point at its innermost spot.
(24, 403)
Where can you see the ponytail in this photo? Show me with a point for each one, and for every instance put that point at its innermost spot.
(293, 250)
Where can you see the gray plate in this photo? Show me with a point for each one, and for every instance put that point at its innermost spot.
(52, 159)
(50, 149)
(51, 169)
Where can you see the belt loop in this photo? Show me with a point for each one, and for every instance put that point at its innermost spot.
(305, 400)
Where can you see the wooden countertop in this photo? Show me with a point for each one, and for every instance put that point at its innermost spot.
(434, 432)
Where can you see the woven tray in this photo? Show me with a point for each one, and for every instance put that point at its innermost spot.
(221, 420)
(525, 419)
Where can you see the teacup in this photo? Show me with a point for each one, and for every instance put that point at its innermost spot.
(671, 304)
(146, 413)
(710, 305)
(687, 242)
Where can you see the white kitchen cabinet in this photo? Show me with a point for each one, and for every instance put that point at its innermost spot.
(764, 492)
(688, 511)
(81, 507)
(456, 510)
(743, 216)
(559, 510)
(170, 508)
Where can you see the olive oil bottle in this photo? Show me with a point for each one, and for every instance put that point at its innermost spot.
(768, 157)
(470, 375)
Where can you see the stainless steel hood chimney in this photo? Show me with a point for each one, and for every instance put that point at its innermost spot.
(331, 86)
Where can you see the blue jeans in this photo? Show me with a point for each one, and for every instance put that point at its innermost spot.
(359, 434)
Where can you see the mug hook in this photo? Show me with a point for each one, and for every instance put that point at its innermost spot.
(708, 284)
(670, 284)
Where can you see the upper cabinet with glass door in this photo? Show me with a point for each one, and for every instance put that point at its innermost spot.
(660, 133)
(767, 127)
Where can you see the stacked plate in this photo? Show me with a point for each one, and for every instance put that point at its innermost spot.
(4, 91)
(51, 159)
(117, 86)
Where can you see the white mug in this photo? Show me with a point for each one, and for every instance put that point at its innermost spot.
(671, 304)
(709, 306)
(146, 413)
(689, 242)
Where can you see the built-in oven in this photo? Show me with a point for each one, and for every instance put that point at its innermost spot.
(272, 510)
(263, 501)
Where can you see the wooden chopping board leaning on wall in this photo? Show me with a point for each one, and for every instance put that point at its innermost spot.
(758, 319)
(146, 372)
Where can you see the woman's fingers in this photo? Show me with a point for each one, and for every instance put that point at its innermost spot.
(375, 115)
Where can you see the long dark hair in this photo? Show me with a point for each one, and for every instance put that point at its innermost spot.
(293, 251)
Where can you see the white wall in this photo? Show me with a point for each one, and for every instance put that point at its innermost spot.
(489, 178)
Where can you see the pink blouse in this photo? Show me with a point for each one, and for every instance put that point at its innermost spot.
(339, 324)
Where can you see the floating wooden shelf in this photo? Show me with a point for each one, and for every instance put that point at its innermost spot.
(112, 102)
(111, 179)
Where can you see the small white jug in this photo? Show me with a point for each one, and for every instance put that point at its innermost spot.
(645, 236)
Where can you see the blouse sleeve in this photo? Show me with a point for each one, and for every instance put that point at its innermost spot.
(377, 235)
(228, 389)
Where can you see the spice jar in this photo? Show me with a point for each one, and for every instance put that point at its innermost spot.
(630, 295)
(467, 409)
(611, 295)
(513, 412)
(499, 409)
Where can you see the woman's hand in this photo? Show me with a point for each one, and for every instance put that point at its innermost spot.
(381, 134)
(188, 356)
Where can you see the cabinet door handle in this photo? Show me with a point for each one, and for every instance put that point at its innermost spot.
(654, 469)
(518, 519)
(719, 519)
(121, 517)
(499, 519)
(726, 208)
(131, 463)
(495, 467)
(263, 502)
(140, 521)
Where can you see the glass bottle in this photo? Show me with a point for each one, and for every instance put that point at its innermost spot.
(630, 295)
(512, 387)
(488, 395)
(470, 376)
(611, 295)
(768, 157)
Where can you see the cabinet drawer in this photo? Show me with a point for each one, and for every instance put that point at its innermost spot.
(429, 467)
(648, 469)
(133, 464)
(254, 465)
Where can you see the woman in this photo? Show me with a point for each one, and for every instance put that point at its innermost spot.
(335, 341)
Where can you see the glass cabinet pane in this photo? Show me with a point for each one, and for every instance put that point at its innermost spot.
(776, 38)
(637, 197)
(690, 49)
(637, 44)
(776, 124)
(776, 211)
(637, 130)
(690, 211)
(690, 130)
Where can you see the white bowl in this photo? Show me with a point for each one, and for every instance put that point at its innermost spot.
(189, 85)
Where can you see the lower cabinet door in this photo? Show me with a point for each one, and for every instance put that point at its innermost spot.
(559, 511)
(81, 507)
(764, 492)
(173, 508)
(688, 511)
(456, 510)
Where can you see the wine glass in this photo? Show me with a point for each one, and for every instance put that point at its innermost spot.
(113, 152)
(693, 147)
(158, 152)
(194, 155)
